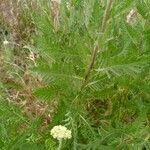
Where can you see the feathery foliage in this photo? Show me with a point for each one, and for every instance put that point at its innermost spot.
(95, 66)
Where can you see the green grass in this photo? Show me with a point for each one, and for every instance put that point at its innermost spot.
(95, 67)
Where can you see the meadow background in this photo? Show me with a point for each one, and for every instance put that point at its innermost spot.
(83, 64)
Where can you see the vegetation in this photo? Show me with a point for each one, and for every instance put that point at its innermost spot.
(80, 64)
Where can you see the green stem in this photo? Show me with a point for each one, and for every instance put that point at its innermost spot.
(96, 47)
(60, 145)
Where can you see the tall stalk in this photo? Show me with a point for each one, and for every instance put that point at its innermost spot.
(96, 47)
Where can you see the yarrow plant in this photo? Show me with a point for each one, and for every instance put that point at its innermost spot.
(60, 133)
(84, 63)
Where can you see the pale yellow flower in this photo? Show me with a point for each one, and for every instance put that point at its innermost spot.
(60, 132)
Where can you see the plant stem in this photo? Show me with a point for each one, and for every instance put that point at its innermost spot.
(96, 47)
(90, 67)
(106, 16)
(60, 145)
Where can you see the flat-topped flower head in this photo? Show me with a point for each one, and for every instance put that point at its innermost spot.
(60, 132)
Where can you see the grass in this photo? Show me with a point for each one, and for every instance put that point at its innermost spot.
(84, 66)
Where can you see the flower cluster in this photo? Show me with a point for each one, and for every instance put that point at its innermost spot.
(60, 132)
